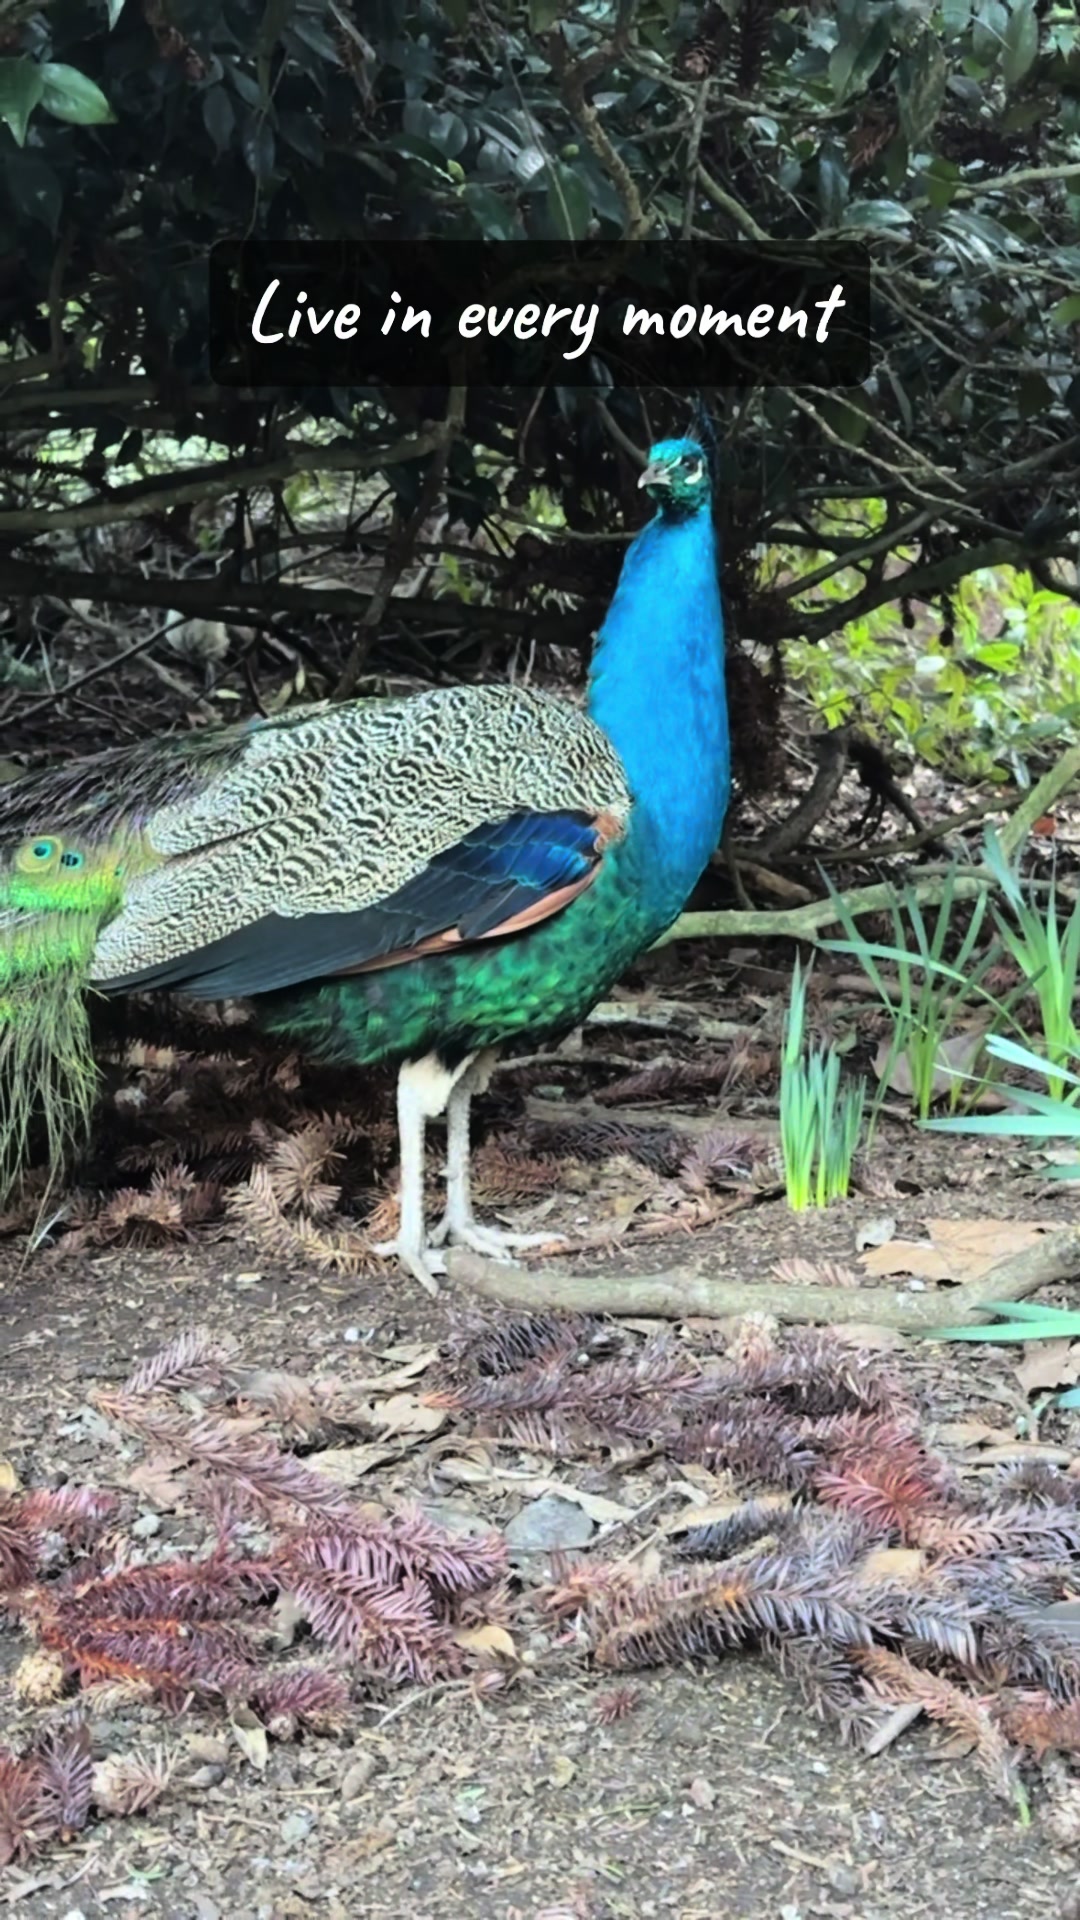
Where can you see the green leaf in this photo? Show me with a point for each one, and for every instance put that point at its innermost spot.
(852, 426)
(988, 31)
(941, 179)
(955, 17)
(832, 190)
(877, 213)
(544, 13)
(443, 130)
(920, 88)
(69, 95)
(853, 62)
(1067, 311)
(1027, 1323)
(219, 116)
(21, 88)
(495, 217)
(568, 205)
(1021, 43)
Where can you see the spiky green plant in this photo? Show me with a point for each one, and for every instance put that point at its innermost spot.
(1047, 954)
(929, 993)
(820, 1125)
(1044, 1116)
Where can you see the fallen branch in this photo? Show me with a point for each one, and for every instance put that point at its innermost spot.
(803, 923)
(688, 1291)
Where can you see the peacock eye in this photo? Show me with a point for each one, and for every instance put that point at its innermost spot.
(43, 849)
(692, 469)
(71, 858)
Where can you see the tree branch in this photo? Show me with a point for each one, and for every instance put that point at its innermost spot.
(399, 551)
(224, 599)
(216, 482)
(680, 1292)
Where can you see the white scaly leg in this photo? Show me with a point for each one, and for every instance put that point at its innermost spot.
(423, 1089)
(459, 1224)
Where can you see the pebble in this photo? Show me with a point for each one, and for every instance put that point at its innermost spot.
(546, 1523)
(296, 1826)
(356, 1778)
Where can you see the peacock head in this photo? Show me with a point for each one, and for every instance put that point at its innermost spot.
(677, 478)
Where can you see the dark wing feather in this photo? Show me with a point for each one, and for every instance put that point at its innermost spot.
(489, 878)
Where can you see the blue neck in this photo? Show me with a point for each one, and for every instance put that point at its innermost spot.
(657, 689)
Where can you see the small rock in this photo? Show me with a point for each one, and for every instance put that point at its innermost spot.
(145, 1527)
(355, 1778)
(296, 1825)
(547, 1523)
(209, 1748)
(455, 1519)
(875, 1233)
(842, 1878)
(205, 1777)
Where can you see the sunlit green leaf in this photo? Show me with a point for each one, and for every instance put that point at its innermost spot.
(21, 87)
(69, 95)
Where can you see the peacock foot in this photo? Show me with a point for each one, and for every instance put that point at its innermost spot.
(492, 1242)
(422, 1262)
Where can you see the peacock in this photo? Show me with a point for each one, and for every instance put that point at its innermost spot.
(419, 881)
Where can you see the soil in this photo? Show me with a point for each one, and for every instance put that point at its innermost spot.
(717, 1798)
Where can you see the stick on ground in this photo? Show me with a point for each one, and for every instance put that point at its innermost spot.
(682, 1291)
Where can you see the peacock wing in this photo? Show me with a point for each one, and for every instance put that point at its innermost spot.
(363, 836)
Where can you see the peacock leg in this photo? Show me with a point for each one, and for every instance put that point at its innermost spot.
(423, 1089)
(459, 1224)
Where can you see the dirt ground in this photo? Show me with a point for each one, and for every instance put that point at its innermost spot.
(718, 1798)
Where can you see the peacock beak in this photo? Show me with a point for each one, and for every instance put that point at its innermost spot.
(656, 476)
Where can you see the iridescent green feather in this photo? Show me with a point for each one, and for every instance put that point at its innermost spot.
(54, 899)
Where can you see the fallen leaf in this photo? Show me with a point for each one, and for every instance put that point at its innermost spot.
(702, 1793)
(970, 1433)
(488, 1639)
(1049, 1363)
(562, 1771)
(957, 1055)
(161, 1484)
(346, 1465)
(712, 1485)
(595, 1505)
(956, 1250)
(465, 1473)
(250, 1735)
(419, 1362)
(718, 1510)
(9, 1479)
(405, 1413)
(408, 1352)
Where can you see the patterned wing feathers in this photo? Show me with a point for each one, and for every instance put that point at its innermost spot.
(331, 843)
